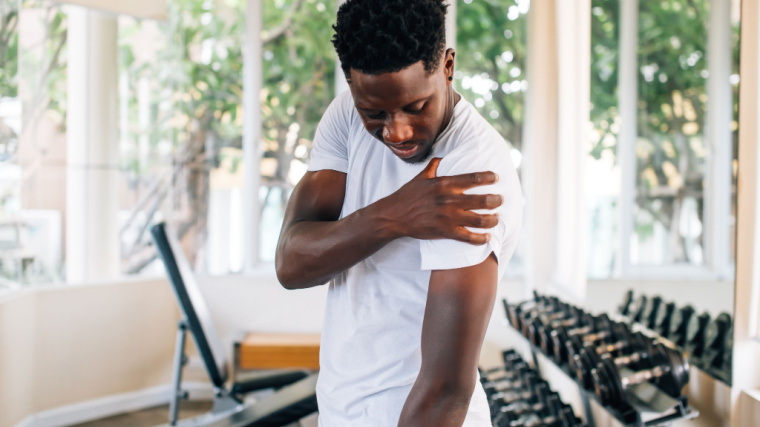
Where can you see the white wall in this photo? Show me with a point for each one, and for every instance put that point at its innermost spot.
(69, 344)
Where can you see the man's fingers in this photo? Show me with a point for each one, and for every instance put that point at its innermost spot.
(470, 180)
(463, 235)
(431, 168)
(478, 201)
(481, 221)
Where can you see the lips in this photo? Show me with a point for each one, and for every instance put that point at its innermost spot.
(406, 151)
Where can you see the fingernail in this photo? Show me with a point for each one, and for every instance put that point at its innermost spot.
(488, 237)
(497, 177)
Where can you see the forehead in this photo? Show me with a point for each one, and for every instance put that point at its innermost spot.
(391, 90)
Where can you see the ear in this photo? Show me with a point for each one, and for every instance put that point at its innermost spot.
(448, 65)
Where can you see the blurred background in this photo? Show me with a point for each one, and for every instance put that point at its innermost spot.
(622, 118)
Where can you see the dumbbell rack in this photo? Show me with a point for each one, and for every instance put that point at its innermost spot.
(649, 406)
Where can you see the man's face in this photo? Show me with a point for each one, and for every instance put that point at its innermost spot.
(405, 110)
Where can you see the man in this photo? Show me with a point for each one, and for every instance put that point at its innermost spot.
(410, 210)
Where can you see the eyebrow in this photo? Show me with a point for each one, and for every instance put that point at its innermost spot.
(405, 106)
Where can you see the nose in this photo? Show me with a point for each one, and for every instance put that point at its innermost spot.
(397, 132)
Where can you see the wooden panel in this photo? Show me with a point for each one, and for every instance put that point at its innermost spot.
(274, 351)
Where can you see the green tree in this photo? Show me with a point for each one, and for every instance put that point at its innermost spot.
(491, 49)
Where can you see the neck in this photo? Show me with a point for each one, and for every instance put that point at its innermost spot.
(451, 100)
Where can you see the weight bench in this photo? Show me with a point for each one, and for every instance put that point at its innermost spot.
(295, 396)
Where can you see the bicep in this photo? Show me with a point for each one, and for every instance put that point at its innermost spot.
(459, 306)
(317, 197)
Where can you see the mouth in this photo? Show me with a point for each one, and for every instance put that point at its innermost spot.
(406, 151)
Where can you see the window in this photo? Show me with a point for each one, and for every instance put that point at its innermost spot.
(299, 84)
(32, 140)
(656, 213)
(492, 45)
(181, 119)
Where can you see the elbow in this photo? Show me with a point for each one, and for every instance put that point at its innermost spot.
(284, 275)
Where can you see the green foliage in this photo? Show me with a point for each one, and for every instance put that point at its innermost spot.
(8, 49)
(491, 45)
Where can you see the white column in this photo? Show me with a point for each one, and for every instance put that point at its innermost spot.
(252, 78)
(574, 59)
(627, 98)
(539, 176)
(718, 139)
(451, 24)
(92, 243)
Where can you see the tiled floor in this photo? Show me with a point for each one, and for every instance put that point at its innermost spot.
(151, 416)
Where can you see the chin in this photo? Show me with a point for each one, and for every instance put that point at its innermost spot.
(425, 156)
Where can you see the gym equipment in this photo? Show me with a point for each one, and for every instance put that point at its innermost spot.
(625, 307)
(664, 318)
(618, 337)
(552, 310)
(695, 334)
(637, 310)
(538, 330)
(716, 340)
(679, 324)
(633, 349)
(600, 327)
(295, 397)
(649, 316)
(667, 367)
(565, 418)
(545, 406)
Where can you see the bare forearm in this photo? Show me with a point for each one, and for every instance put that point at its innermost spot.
(310, 253)
(445, 406)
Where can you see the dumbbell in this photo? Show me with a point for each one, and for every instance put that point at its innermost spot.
(524, 378)
(637, 309)
(598, 328)
(715, 340)
(633, 349)
(537, 299)
(560, 312)
(664, 319)
(517, 312)
(535, 329)
(545, 405)
(667, 368)
(616, 337)
(649, 317)
(533, 391)
(564, 418)
(539, 302)
(625, 307)
(679, 324)
(510, 359)
(695, 334)
(510, 381)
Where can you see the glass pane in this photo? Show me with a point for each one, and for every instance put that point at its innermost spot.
(490, 71)
(602, 170)
(180, 101)
(32, 141)
(670, 151)
(299, 84)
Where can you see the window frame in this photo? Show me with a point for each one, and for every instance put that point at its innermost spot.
(717, 204)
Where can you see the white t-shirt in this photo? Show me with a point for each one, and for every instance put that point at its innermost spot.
(371, 338)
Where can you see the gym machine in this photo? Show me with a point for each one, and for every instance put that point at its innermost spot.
(295, 390)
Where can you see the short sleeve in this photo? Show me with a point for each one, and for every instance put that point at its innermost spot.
(330, 146)
(450, 254)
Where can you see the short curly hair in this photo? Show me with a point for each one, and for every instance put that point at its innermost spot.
(383, 36)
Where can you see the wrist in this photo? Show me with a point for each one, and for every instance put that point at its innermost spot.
(382, 222)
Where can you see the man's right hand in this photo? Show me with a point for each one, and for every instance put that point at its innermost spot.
(315, 244)
(430, 207)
